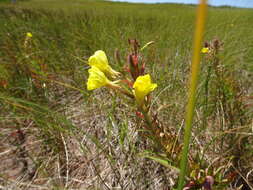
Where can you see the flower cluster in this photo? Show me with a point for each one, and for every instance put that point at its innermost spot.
(102, 75)
(100, 71)
(212, 48)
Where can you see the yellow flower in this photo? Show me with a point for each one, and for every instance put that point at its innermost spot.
(205, 50)
(29, 34)
(100, 61)
(142, 87)
(96, 79)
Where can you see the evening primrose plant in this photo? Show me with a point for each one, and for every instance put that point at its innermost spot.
(138, 86)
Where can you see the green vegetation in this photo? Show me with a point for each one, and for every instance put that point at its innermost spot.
(54, 134)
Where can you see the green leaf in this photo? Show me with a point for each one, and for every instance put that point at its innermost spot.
(163, 161)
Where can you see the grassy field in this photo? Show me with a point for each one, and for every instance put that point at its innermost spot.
(54, 134)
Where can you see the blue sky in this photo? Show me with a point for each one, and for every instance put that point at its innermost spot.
(237, 3)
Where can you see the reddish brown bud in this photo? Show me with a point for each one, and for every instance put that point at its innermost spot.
(134, 43)
(133, 65)
(206, 44)
(139, 114)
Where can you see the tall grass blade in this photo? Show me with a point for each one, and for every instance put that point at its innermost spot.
(199, 31)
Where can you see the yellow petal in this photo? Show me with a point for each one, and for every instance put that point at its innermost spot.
(29, 34)
(205, 50)
(96, 79)
(142, 87)
(99, 60)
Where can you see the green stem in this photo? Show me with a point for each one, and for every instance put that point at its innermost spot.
(206, 110)
(114, 86)
(147, 119)
(150, 126)
(192, 89)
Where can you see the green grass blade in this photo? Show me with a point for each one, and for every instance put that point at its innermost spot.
(200, 21)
